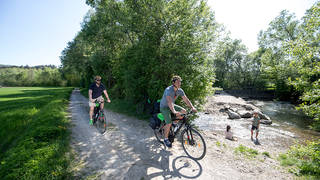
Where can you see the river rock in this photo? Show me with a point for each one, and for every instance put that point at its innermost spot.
(263, 116)
(265, 121)
(248, 107)
(233, 115)
(244, 114)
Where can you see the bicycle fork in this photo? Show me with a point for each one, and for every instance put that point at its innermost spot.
(189, 137)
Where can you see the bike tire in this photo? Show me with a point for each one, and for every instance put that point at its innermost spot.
(194, 143)
(101, 123)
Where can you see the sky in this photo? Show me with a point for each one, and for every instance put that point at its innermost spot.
(35, 32)
(245, 18)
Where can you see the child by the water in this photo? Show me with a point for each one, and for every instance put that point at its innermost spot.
(255, 125)
(229, 134)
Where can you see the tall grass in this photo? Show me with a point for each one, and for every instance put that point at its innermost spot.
(34, 134)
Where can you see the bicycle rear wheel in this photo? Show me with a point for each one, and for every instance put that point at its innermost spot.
(101, 123)
(193, 144)
(159, 133)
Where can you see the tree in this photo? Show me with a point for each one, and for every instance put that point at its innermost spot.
(136, 46)
(275, 61)
(306, 59)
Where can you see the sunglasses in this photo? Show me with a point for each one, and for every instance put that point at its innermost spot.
(98, 79)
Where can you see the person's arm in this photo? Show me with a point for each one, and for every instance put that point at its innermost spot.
(90, 95)
(107, 96)
(188, 102)
(170, 104)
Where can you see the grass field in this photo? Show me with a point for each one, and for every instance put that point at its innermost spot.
(34, 136)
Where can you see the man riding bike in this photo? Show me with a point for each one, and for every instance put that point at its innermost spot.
(95, 93)
(167, 105)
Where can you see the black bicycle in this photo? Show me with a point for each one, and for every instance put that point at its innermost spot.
(193, 143)
(99, 119)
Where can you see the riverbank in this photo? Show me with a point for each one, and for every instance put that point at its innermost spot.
(279, 135)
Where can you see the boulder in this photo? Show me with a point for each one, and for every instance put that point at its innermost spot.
(263, 116)
(248, 107)
(233, 115)
(265, 121)
(244, 114)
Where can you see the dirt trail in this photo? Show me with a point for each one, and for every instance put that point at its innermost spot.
(129, 150)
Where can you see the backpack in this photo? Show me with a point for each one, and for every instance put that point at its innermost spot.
(156, 107)
(155, 120)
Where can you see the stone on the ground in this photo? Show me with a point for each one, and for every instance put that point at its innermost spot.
(244, 114)
(233, 115)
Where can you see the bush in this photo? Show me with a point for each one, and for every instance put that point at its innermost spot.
(305, 159)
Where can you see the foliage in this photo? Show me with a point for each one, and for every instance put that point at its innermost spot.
(304, 159)
(266, 154)
(306, 59)
(136, 46)
(33, 134)
(274, 59)
(124, 107)
(248, 152)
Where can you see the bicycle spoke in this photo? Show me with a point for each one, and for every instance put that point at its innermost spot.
(193, 144)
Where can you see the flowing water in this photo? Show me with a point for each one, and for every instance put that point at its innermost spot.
(288, 124)
(288, 118)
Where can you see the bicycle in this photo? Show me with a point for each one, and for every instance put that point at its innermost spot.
(99, 119)
(191, 139)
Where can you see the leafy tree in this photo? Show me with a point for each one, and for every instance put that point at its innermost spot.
(136, 46)
(306, 59)
(275, 61)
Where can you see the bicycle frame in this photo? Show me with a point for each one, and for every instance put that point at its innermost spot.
(184, 123)
(97, 110)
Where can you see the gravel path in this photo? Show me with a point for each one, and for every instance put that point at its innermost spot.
(128, 150)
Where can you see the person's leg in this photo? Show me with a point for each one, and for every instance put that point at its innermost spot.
(251, 132)
(179, 109)
(257, 133)
(91, 114)
(167, 117)
(167, 130)
(101, 100)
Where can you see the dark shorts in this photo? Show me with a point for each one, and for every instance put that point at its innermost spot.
(254, 128)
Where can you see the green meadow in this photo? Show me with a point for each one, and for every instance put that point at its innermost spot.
(34, 135)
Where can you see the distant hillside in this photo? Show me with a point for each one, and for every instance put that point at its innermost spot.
(28, 67)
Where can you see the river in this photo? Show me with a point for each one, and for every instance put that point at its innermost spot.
(288, 124)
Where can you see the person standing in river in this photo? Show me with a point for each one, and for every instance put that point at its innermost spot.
(255, 125)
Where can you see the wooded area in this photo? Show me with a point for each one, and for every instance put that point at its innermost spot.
(136, 46)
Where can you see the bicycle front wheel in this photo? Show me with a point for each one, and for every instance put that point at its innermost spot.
(101, 124)
(193, 144)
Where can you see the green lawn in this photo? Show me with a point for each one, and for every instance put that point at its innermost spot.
(34, 135)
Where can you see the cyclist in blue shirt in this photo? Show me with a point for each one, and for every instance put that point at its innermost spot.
(167, 105)
(95, 93)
